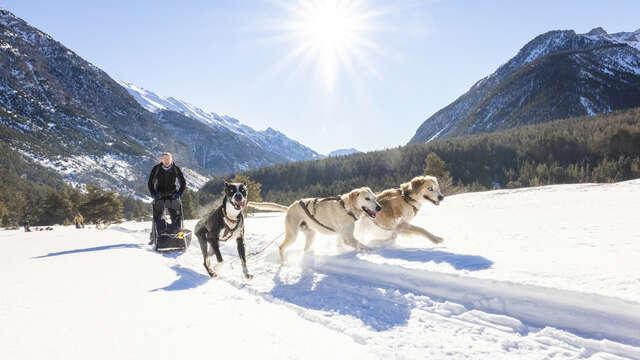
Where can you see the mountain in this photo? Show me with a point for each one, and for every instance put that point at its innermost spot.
(269, 139)
(557, 75)
(343, 152)
(66, 114)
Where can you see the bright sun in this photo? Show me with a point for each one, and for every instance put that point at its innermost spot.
(332, 34)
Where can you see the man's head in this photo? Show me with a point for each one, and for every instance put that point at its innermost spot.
(167, 159)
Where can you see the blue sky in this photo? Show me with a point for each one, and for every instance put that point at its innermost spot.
(228, 56)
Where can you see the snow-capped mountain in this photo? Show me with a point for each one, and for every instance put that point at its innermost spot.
(269, 139)
(558, 74)
(343, 152)
(70, 116)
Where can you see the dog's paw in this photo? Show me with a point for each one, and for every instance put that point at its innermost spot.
(212, 274)
(437, 240)
(248, 276)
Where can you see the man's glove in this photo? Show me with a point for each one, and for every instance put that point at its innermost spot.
(155, 195)
(177, 195)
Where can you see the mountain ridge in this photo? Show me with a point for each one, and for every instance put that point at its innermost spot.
(558, 74)
(269, 138)
(73, 118)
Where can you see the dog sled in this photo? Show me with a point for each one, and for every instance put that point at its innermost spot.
(169, 236)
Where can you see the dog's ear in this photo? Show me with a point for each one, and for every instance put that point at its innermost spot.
(226, 184)
(417, 183)
(406, 188)
(353, 196)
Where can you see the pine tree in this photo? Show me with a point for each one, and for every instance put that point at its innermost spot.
(18, 209)
(101, 206)
(133, 209)
(435, 166)
(3, 212)
(56, 207)
(189, 206)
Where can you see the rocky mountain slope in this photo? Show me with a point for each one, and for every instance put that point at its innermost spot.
(558, 74)
(271, 140)
(70, 116)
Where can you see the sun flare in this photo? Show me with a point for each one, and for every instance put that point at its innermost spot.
(334, 35)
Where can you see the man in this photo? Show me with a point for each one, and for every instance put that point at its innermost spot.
(26, 225)
(162, 186)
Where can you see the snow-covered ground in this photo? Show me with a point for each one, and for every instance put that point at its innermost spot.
(538, 273)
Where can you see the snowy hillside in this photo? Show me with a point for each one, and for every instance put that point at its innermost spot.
(536, 273)
(557, 75)
(68, 115)
(343, 152)
(270, 139)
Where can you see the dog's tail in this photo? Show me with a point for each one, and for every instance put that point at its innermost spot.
(268, 206)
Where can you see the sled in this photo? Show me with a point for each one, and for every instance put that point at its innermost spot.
(173, 237)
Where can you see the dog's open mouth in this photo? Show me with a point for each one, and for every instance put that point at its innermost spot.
(435, 202)
(238, 205)
(371, 213)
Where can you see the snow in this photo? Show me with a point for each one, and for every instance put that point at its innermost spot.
(109, 164)
(548, 272)
(156, 103)
(194, 179)
(268, 139)
(37, 82)
(436, 135)
(343, 152)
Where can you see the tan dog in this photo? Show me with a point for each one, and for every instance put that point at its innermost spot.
(334, 215)
(400, 206)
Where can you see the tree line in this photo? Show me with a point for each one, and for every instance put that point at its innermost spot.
(600, 148)
(30, 192)
(58, 206)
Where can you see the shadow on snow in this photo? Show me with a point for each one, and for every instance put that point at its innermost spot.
(377, 306)
(187, 279)
(97, 248)
(458, 261)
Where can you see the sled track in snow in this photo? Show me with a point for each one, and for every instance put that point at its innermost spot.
(518, 307)
(505, 306)
(590, 315)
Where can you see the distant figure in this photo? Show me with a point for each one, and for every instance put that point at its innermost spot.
(26, 225)
(79, 220)
(162, 186)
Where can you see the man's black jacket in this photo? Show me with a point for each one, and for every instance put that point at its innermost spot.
(163, 181)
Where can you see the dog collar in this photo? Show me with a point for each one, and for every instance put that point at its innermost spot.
(408, 199)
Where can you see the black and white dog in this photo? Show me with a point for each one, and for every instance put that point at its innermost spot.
(222, 224)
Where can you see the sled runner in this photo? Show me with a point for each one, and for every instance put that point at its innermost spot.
(169, 236)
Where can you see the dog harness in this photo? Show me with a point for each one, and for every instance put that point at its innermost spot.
(315, 201)
(228, 231)
(408, 199)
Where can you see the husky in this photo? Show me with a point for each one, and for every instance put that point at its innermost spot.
(222, 224)
(333, 215)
